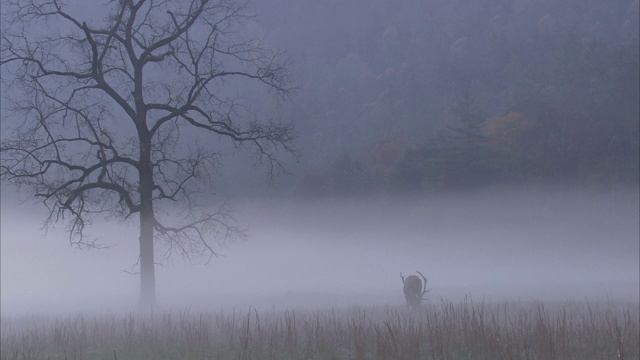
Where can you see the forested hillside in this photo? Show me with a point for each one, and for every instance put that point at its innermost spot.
(429, 95)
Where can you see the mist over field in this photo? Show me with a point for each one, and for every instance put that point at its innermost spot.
(243, 179)
(520, 243)
(491, 145)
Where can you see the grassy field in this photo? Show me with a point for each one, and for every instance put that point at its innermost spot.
(445, 330)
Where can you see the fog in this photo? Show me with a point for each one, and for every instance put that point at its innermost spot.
(553, 244)
(424, 132)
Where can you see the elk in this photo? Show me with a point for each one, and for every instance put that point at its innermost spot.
(414, 290)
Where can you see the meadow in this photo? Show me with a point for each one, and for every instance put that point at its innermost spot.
(440, 330)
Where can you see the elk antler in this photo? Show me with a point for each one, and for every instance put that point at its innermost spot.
(402, 278)
(424, 291)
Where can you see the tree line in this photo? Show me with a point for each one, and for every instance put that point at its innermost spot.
(461, 94)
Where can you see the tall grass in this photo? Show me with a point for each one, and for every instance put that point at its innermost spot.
(464, 330)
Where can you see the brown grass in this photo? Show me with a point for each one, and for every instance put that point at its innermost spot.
(464, 330)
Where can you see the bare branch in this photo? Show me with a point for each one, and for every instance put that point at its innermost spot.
(123, 116)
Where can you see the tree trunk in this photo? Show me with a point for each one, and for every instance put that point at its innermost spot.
(147, 265)
(147, 268)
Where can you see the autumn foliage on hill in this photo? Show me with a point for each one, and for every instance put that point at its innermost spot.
(476, 94)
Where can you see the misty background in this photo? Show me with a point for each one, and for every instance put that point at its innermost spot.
(550, 244)
(491, 145)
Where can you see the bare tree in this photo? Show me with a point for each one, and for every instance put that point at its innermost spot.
(118, 118)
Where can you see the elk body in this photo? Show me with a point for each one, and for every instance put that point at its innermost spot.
(414, 290)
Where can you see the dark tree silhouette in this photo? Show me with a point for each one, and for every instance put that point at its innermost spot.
(119, 117)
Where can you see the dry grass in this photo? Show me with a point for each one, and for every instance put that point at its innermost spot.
(465, 330)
